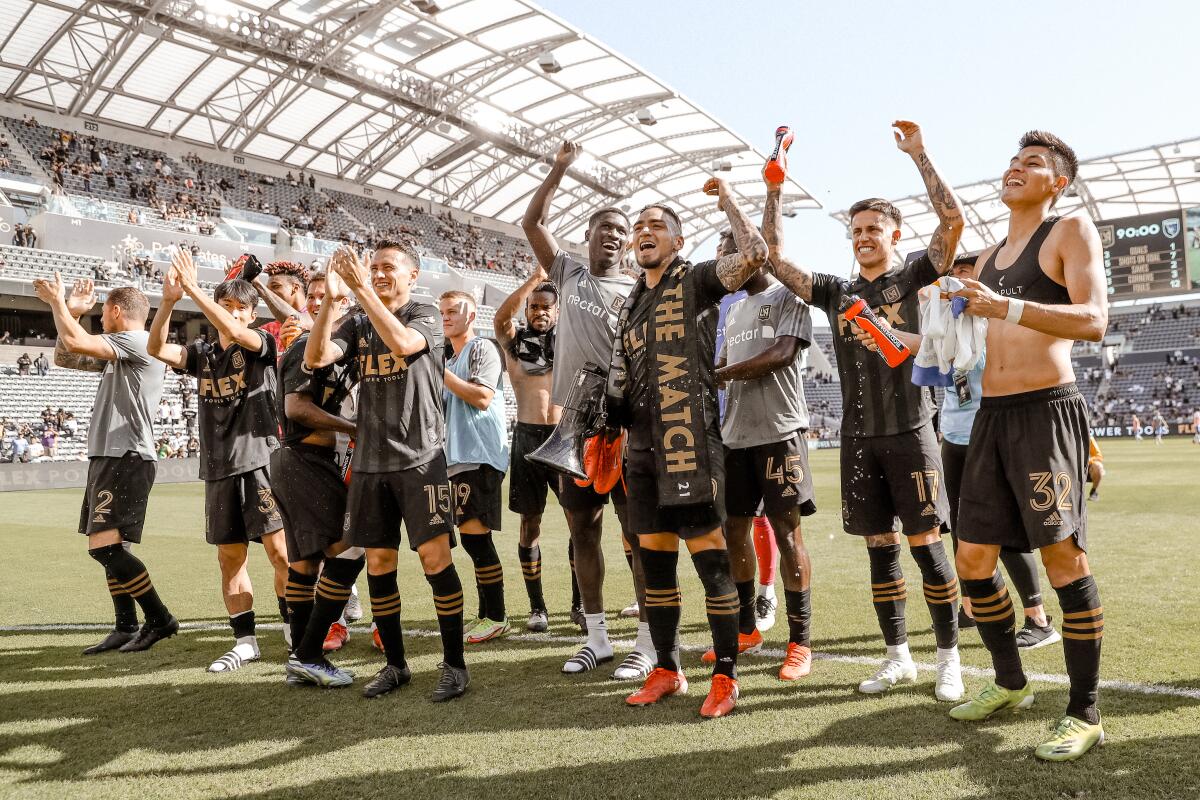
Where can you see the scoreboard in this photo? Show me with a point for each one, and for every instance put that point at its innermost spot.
(1144, 255)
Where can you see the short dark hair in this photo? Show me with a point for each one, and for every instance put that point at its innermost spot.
(673, 222)
(1062, 157)
(238, 290)
(131, 301)
(319, 275)
(607, 210)
(290, 269)
(547, 287)
(402, 243)
(877, 204)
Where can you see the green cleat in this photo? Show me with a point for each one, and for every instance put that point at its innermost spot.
(486, 630)
(1072, 738)
(993, 698)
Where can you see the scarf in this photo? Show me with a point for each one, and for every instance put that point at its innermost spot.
(535, 351)
(673, 361)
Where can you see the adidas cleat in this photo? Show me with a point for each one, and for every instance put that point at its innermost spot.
(321, 674)
(452, 683)
(1032, 636)
(660, 683)
(890, 673)
(722, 697)
(150, 635)
(764, 613)
(113, 641)
(992, 699)
(747, 643)
(336, 638)
(389, 678)
(1072, 738)
(797, 663)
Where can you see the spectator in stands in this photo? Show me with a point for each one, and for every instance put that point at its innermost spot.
(41, 364)
(4, 141)
(50, 442)
(35, 451)
(193, 447)
(23, 364)
(6, 337)
(20, 450)
(70, 426)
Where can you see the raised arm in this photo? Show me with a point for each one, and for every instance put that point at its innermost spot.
(736, 268)
(319, 348)
(157, 346)
(1086, 318)
(779, 355)
(401, 340)
(944, 242)
(796, 278)
(184, 269)
(75, 348)
(505, 323)
(545, 248)
(279, 308)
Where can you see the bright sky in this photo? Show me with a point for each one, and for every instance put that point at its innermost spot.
(1106, 76)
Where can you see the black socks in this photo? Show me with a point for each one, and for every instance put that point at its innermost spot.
(1082, 632)
(385, 613)
(799, 616)
(721, 602)
(888, 592)
(131, 573)
(996, 621)
(941, 592)
(333, 590)
(489, 574)
(300, 595)
(448, 601)
(1022, 570)
(746, 620)
(664, 604)
(124, 606)
(531, 569)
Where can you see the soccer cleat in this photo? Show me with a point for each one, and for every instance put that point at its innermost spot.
(354, 610)
(485, 630)
(584, 661)
(1072, 738)
(452, 683)
(578, 618)
(775, 170)
(949, 686)
(1032, 636)
(631, 611)
(389, 678)
(747, 643)
(722, 697)
(152, 634)
(241, 655)
(322, 674)
(797, 663)
(608, 462)
(764, 613)
(993, 698)
(336, 639)
(1094, 495)
(659, 684)
(113, 641)
(287, 634)
(890, 673)
(538, 622)
(636, 667)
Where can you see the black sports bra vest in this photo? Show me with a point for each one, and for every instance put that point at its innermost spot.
(1024, 279)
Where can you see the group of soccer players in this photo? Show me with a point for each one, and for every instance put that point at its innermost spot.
(367, 419)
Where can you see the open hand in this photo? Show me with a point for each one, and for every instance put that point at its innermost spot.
(49, 290)
(82, 297)
(172, 289)
(351, 268)
(184, 268)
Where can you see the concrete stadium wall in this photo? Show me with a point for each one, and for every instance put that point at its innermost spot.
(73, 474)
(95, 238)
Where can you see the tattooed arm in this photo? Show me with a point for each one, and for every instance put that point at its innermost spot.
(798, 279)
(944, 242)
(75, 348)
(736, 268)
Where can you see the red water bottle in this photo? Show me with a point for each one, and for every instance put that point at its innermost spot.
(776, 169)
(855, 309)
(346, 463)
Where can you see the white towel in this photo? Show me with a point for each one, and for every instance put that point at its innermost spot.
(950, 341)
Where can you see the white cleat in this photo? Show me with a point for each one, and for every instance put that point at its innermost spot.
(764, 613)
(890, 673)
(949, 686)
(354, 609)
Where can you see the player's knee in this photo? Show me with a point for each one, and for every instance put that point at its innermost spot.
(713, 568)
(381, 560)
(435, 555)
(975, 562)
(105, 553)
(531, 529)
(882, 539)
(344, 571)
(1065, 562)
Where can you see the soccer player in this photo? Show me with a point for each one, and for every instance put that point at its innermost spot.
(529, 352)
(1137, 428)
(592, 294)
(238, 432)
(766, 456)
(1160, 426)
(476, 454)
(121, 454)
(1095, 467)
(306, 473)
(891, 468)
(283, 287)
(1041, 289)
(675, 462)
(399, 466)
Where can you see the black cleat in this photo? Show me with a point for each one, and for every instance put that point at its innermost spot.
(453, 683)
(150, 635)
(389, 678)
(114, 640)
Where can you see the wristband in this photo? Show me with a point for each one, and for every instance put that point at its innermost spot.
(1015, 309)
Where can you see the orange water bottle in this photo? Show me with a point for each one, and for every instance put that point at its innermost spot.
(855, 309)
(776, 169)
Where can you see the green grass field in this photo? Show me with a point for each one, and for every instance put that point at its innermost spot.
(156, 725)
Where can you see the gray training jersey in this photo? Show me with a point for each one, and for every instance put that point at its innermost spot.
(770, 408)
(587, 320)
(130, 389)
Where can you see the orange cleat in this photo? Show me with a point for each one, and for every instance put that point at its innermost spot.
(776, 169)
(659, 684)
(336, 638)
(747, 643)
(375, 640)
(608, 466)
(797, 663)
(591, 457)
(722, 697)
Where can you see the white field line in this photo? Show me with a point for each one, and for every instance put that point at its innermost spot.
(769, 653)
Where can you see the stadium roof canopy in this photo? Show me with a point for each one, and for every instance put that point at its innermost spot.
(460, 101)
(1164, 177)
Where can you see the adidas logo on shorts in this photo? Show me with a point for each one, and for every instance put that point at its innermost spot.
(98, 518)
(789, 492)
(1054, 520)
(436, 519)
(929, 510)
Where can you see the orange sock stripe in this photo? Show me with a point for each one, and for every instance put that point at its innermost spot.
(991, 598)
(139, 585)
(898, 582)
(930, 587)
(1098, 611)
(383, 609)
(888, 597)
(996, 616)
(1083, 636)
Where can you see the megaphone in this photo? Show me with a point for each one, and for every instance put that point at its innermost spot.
(583, 409)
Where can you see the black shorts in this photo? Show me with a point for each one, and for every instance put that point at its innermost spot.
(954, 459)
(477, 496)
(529, 483)
(312, 498)
(771, 478)
(116, 495)
(646, 516)
(241, 508)
(1023, 485)
(893, 483)
(419, 497)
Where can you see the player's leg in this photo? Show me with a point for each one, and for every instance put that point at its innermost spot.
(795, 568)
(643, 658)
(263, 521)
(477, 504)
(131, 575)
(742, 565)
(659, 554)
(529, 551)
(1083, 624)
(710, 556)
(444, 582)
(1095, 475)
(528, 486)
(1022, 569)
(766, 550)
(954, 459)
(238, 594)
(632, 609)
(384, 590)
(584, 510)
